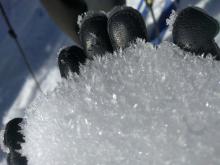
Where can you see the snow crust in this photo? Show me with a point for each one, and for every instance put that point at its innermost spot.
(140, 106)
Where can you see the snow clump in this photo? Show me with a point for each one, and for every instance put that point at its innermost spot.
(170, 21)
(140, 106)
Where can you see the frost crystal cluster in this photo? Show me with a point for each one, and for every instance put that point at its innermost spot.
(140, 106)
(170, 21)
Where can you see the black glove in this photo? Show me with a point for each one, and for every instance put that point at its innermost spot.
(100, 33)
(13, 139)
(193, 31)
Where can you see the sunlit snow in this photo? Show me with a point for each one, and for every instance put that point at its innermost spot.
(141, 106)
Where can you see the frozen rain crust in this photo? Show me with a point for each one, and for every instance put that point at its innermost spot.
(142, 106)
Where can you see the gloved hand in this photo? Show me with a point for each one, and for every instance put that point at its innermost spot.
(100, 33)
(193, 31)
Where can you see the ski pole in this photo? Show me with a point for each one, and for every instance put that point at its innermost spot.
(149, 3)
(13, 35)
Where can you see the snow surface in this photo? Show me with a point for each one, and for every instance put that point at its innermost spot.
(144, 105)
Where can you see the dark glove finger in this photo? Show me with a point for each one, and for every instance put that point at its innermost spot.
(15, 158)
(70, 59)
(13, 139)
(12, 135)
(194, 31)
(94, 36)
(125, 25)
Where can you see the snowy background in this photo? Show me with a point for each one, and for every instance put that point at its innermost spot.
(41, 40)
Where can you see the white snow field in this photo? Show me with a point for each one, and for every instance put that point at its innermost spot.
(140, 106)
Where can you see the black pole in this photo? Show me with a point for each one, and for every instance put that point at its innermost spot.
(149, 3)
(21, 50)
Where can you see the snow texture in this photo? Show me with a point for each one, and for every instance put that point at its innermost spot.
(140, 106)
(3, 147)
(79, 20)
(170, 21)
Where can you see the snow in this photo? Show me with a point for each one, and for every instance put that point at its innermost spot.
(170, 21)
(3, 147)
(79, 20)
(143, 105)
